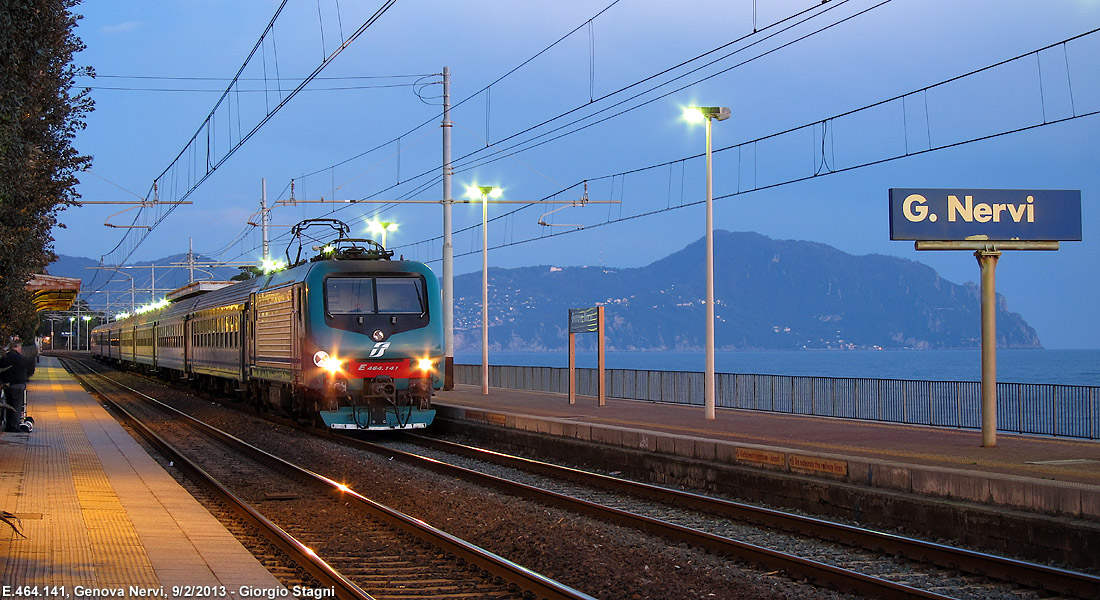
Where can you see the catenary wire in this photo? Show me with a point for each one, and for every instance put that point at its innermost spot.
(508, 152)
(210, 169)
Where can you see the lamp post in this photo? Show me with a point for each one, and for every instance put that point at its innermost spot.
(87, 330)
(381, 227)
(71, 320)
(708, 114)
(486, 191)
(53, 338)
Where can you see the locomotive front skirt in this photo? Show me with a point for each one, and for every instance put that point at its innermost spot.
(351, 341)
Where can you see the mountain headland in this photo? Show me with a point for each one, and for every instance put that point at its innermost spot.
(769, 295)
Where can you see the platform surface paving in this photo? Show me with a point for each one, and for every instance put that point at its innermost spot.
(99, 514)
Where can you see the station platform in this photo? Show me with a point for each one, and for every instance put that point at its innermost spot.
(1059, 476)
(100, 516)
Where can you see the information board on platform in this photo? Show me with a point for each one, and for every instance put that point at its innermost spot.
(997, 215)
(583, 320)
(587, 320)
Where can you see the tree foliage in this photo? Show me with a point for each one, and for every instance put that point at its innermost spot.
(39, 119)
(247, 273)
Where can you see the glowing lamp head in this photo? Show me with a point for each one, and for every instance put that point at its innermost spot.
(480, 191)
(326, 362)
(692, 114)
(698, 114)
(425, 364)
(381, 226)
(272, 265)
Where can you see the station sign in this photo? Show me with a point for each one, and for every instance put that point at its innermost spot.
(997, 215)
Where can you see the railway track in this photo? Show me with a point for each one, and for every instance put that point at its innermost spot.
(832, 556)
(334, 537)
(941, 570)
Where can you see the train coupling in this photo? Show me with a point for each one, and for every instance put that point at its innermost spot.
(382, 387)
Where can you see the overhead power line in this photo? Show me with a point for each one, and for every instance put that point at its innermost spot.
(230, 80)
(775, 28)
(757, 37)
(227, 81)
(202, 155)
(247, 91)
(914, 134)
(477, 158)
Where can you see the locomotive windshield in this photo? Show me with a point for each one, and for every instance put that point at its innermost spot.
(374, 295)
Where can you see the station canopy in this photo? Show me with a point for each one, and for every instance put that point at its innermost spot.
(52, 292)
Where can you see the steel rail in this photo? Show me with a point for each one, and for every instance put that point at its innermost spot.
(498, 566)
(821, 574)
(298, 551)
(1051, 579)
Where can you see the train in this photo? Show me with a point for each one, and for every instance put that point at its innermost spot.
(348, 339)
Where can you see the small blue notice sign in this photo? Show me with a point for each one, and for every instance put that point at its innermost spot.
(999, 215)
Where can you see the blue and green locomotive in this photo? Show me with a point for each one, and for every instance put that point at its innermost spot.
(350, 338)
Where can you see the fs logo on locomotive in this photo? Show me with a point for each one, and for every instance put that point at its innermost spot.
(379, 349)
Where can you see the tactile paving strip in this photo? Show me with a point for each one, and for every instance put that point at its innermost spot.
(100, 512)
(85, 536)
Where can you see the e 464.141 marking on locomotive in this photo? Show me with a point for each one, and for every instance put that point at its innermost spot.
(378, 367)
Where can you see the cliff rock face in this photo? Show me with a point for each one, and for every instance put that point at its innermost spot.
(769, 294)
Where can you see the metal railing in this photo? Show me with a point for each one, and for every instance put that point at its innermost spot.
(1033, 408)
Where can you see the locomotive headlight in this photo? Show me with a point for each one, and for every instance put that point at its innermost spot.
(326, 362)
(425, 364)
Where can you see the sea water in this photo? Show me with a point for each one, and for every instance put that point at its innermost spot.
(1067, 367)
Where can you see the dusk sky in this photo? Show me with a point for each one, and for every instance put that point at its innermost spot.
(539, 117)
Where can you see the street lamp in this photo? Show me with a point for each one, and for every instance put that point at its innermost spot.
(381, 227)
(71, 320)
(695, 114)
(486, 192)
(87, 330)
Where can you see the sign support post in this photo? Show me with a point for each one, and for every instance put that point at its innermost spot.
(987, 260)
(587, 320)
(572, 365)
(987, 222)
(601, 388)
